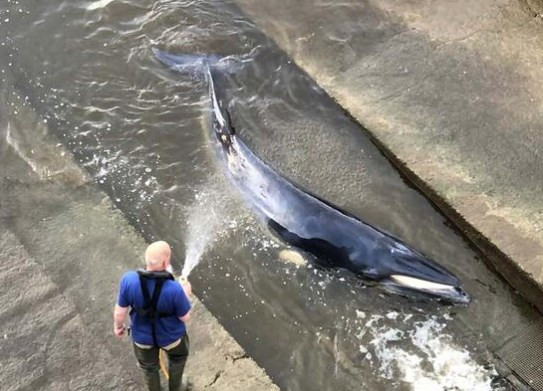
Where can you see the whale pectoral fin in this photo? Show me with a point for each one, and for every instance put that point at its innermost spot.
(283, 233)
(325, 254)
(274, 231)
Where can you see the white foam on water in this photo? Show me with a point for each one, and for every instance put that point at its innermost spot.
(132, 183)
(424, 356)
(98, 4)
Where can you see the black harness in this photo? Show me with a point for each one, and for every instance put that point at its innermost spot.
(149, 309)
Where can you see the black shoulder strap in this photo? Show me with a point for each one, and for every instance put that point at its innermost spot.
(156, 295)
(149, 309)
(155, 275)
(145, 291)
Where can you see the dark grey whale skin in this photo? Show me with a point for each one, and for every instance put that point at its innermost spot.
(336, 238)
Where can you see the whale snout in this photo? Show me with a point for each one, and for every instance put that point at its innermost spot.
(408, 272)
(406, 284)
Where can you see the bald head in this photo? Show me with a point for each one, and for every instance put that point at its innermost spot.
(157, 256)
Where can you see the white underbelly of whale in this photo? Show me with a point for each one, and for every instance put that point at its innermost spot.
(416, 283)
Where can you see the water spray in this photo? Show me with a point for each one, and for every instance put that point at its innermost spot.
(203, 225)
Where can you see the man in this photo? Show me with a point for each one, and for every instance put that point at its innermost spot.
(159, 310)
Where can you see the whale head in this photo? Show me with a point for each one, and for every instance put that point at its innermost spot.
(405, 271)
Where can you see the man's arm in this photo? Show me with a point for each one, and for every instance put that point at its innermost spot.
(119, 316)
(121, 309)
(185, 318)
(182, 302)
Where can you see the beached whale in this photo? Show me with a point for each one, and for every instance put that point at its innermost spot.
(336, 238)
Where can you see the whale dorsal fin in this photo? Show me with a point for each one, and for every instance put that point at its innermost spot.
(229, 122)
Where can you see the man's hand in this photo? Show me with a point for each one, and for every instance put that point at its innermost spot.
(119, 315)
(119, 331)
(187, 287)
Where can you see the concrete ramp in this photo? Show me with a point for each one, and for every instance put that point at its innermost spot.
(44, 344)
(63, 249)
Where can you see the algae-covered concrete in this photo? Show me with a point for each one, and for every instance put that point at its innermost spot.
(63, 248)
(452, 93)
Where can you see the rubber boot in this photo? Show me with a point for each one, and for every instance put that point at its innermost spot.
(177, 358)
(152, 380)
(176, 376)
(186, 385)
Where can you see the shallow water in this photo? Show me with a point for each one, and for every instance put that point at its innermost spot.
(142, 132)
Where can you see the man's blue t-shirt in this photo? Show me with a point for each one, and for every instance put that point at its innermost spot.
(172, 300)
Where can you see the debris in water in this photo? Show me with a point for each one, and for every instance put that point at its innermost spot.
(292, 256)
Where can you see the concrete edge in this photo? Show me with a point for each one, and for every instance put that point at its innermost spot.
(504, 265)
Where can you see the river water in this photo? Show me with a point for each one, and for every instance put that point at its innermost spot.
(142, 132)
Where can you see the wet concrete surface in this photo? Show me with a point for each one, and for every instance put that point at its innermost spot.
(452, 93)
(44, 344)
(61, 263)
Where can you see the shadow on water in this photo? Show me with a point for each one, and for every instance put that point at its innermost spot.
(141, 131)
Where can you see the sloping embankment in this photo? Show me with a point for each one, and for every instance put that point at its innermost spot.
(451, 93)
(63, 249)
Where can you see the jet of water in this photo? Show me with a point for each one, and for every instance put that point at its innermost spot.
(203, 225)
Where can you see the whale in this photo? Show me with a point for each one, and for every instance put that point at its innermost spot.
(334, 237)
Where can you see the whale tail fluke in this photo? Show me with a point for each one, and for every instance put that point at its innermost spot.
(184, 62)
(204, 65)
(196, 63)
